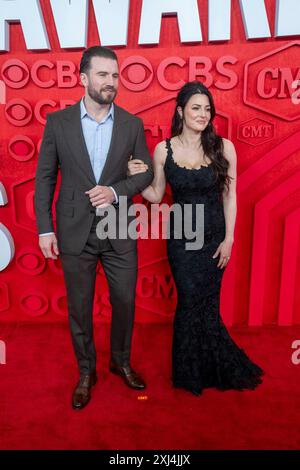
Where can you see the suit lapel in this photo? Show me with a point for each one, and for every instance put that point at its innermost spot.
(113, 144)
(75, 139)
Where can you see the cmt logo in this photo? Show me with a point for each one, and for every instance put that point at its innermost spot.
(256, 131)
(296, 354)
(270, 87)
(2, 352)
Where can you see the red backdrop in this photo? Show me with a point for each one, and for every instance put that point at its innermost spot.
(259, 285)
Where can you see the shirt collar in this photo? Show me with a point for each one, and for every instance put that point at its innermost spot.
(83, 111)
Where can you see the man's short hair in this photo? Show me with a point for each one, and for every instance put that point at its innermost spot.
(95, 51)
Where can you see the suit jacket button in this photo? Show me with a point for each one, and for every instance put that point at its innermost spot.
(93, 211)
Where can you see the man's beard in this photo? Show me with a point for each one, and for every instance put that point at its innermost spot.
(99, 96)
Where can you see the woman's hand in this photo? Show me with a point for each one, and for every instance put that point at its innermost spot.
(136, 166)
(224, 250)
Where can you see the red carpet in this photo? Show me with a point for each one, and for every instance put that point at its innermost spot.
(40, 373)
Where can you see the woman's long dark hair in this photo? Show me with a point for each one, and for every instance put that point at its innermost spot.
(211, 142)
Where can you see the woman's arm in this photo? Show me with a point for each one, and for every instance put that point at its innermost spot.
(229, 195)
(155, 192)
(229, 205)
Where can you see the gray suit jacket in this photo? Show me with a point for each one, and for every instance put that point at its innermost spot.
(63, 147)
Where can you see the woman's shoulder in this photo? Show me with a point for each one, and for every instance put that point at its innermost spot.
(227, 143)
(161, 151)
(229, 149)
(162, 144)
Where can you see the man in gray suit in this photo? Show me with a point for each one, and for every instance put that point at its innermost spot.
(91, 143)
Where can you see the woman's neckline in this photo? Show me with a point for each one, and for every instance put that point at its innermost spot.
(185, 167)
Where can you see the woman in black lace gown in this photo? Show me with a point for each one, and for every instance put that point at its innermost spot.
(200, 167)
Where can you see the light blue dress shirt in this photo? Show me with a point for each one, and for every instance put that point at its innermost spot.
(97, 138)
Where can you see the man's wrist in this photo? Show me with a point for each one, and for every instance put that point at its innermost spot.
(45, 234)
(115, 194)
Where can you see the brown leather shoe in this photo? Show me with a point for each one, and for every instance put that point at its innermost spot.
(82, 392)
(130, 377)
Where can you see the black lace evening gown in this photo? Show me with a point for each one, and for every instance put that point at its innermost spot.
(204, 355)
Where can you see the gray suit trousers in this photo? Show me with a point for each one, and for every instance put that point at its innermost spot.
(80, 277)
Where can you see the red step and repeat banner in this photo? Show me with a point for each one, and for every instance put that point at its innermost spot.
(247, 52)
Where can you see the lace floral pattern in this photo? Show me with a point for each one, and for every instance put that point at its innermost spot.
(204, 354)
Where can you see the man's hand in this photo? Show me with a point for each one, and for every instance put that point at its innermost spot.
(101, 196)
(48, 245)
